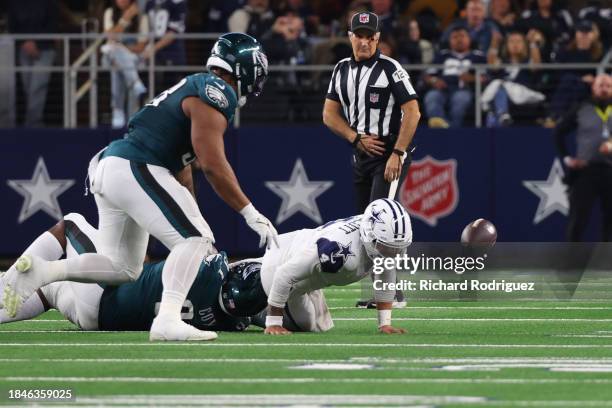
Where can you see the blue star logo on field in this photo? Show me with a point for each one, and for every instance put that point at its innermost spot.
(40, 193)
(552, 193)
(299, 194)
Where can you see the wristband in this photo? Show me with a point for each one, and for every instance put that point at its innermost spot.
(274, 321)
(567, 160)
(357, 139)
(384, 318)
(399, 152)
(249, 211)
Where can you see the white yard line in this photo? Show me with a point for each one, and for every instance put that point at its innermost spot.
(475, 360)
(278, 344)
(596, 336)
(301, 380)
(462, 308)
(277, 400)
(476, 319)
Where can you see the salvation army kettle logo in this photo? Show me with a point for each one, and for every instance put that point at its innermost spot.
(430, 191)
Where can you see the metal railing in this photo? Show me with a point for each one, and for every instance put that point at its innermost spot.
(88, 62)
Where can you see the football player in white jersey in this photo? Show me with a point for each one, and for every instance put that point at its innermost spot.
(336, 254)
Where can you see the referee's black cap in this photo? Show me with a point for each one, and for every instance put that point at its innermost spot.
(365, 21)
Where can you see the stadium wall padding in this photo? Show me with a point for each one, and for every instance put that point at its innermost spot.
(301, 176)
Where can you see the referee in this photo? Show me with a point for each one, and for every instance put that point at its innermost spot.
(372, 104)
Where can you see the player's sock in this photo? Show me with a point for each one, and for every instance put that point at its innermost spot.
(178, 274)
(87, 268)
(31, 308)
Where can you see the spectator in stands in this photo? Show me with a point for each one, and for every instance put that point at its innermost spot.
(386, 16)
(286, 42)
(122, 55)
(602, 17)
(453, 83)
(166, 19)
(218, 14)
(303, 10)
(574, 84)
(412, 49)
(254, 19)
(553, 22)
(590, 171)
(503, 13)
(511, 84)
(34, 17)
(479, 27)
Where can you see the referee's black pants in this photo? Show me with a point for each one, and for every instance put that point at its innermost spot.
(587, 185)
(369, 178)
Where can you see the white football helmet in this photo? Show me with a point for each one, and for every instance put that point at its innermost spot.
(385, 229)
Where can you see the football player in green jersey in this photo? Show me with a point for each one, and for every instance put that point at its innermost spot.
(134, 182)
(221, 297)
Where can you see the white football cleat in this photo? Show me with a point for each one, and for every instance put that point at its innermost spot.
(177, 330)
(22, 283)
(397, 304)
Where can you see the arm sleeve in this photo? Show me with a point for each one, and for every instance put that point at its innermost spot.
(331, 90)
(297, 269)
(176, 19)
(567, 124)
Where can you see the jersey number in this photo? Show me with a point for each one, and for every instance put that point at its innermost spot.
(162, 96)
(185, 314)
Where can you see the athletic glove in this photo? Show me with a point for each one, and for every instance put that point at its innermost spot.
(261, 225)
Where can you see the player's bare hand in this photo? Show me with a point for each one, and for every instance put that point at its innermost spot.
(276, 331)
(393, 168)
(371, 145)
(391, 330)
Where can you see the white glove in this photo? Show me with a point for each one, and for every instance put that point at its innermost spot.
(261, 225)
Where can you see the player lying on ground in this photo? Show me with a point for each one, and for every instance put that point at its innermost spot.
(136, 192)
(221, 297)
(338, 253)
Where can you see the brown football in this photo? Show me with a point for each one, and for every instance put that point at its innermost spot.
(479, 231)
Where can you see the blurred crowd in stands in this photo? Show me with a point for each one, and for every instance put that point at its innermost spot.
(453, 33)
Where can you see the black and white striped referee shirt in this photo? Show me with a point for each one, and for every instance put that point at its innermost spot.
(371, 93)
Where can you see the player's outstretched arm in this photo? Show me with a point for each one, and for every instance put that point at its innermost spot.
(207, 128)
(384, 303)
(298, 268)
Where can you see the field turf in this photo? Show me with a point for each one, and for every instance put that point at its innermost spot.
(493, 353)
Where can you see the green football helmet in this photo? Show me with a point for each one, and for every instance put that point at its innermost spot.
(242, 294)
(243, 56)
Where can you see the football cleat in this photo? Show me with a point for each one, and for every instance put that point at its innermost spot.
(177, 330)
(21, 283)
